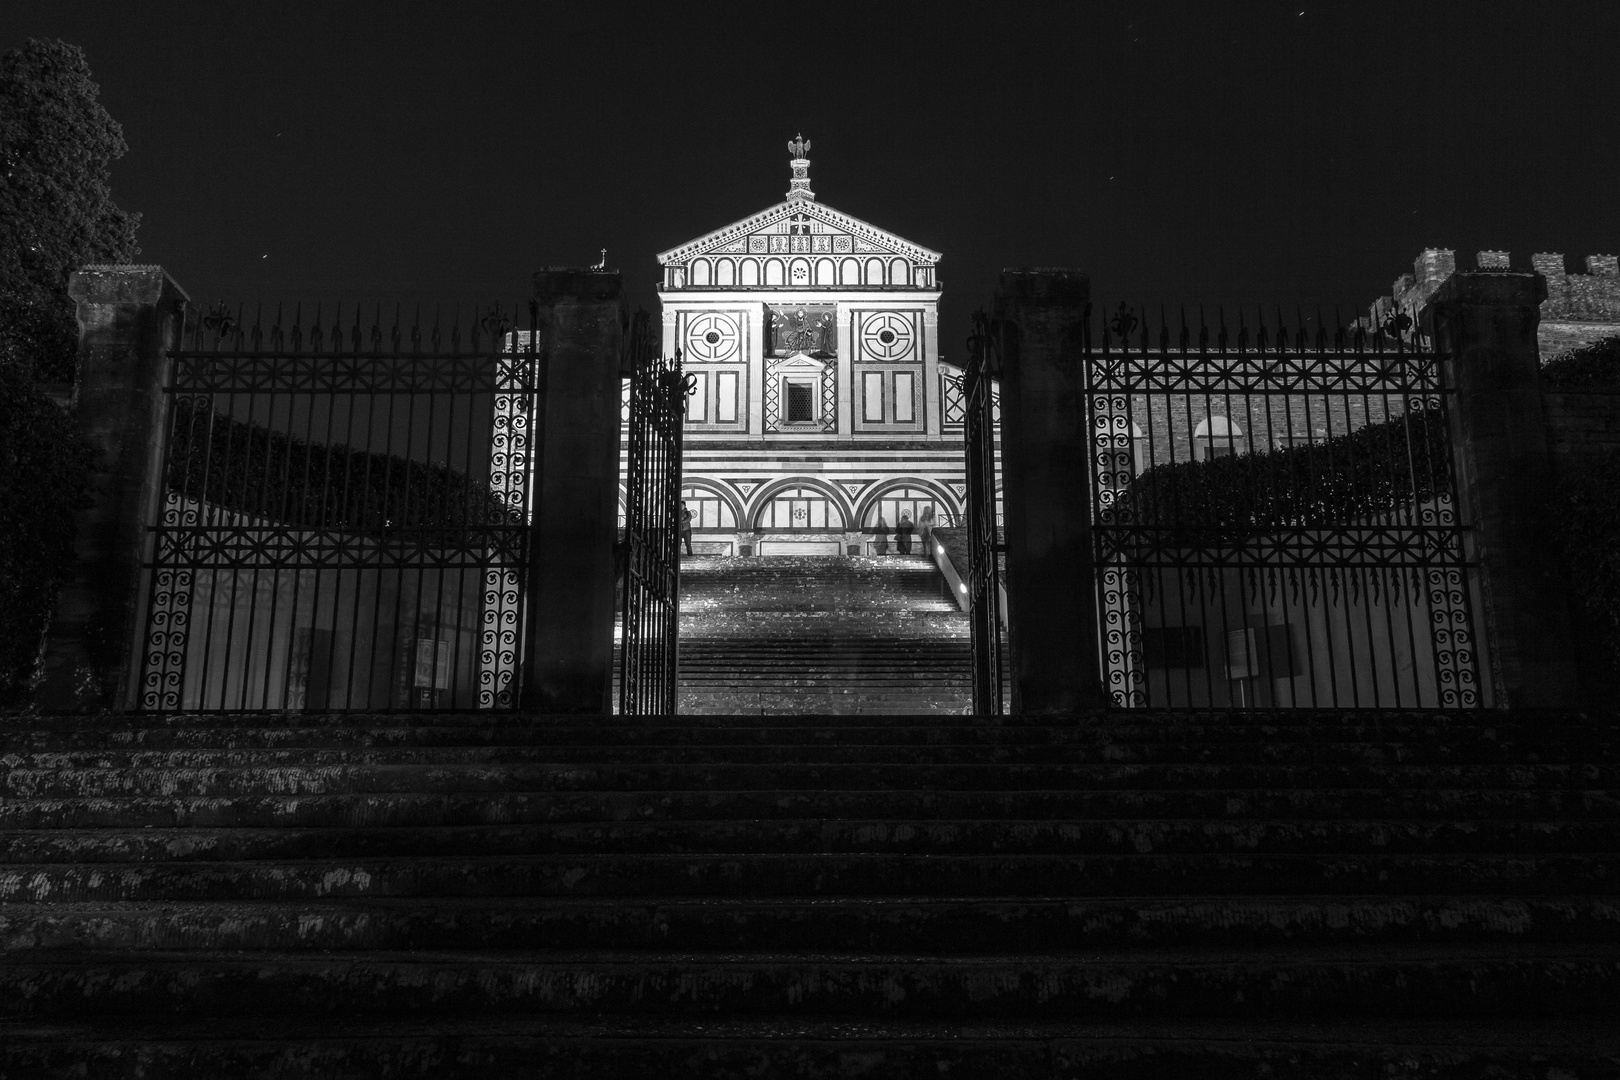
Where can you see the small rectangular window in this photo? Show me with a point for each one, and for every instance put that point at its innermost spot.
(697, 403)
(904, 389)
(725, 397)
(872, 396)
(801, 403)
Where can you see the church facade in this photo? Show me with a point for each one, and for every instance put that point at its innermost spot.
(822, 414)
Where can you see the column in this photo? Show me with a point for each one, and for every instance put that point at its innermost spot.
(570, 590)
(129, 316)
(1045, 453)
(1488, 323)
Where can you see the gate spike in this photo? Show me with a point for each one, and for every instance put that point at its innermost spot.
(1142, 308)
(1282, 331)
(1220, 337)
(1185, 334)
(1164, 332)
(298, 327)
(1203, 332)
(1321, 331)
(438, 318)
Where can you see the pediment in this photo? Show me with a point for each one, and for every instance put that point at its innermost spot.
(800, 226)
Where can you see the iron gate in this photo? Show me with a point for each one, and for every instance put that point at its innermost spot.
(346, 513)
(981, 427)
(1276, 519)
(650, 604)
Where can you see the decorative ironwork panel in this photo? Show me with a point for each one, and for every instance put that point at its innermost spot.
(650, 603)
(347, 512)
(1276, 520)
(985, 550)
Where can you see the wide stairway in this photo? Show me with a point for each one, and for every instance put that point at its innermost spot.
(821, 634)
(1119, 895)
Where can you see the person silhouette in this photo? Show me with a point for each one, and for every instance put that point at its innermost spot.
(686, 527)
(880, 539)
(902, 534)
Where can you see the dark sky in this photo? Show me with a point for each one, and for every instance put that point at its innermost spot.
(1241, 152)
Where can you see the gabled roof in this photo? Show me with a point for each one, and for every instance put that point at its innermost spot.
(865, 238)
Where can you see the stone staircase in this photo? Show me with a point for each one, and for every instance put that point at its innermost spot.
(1119, 895)
(821, 634)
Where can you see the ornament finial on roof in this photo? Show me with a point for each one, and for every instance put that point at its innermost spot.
(799, 186)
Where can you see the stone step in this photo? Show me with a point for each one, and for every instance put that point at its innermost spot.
(634, 776)
(1032, 925)
(1396, 737)
(521, 1047)
(919, 837)
(823, 874)
(456, 807)
(1428, 981)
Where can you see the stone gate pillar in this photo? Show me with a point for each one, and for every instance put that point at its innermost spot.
(569, 665)
(1045, 453)
(128, 317)
(1487, 323)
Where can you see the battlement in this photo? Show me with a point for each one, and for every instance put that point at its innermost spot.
(1593, 296)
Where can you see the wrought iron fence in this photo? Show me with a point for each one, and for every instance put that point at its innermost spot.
(1276, 520)
(985, 551)
(650, 602)
(345, 517)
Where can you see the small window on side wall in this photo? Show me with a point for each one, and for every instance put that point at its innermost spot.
(800, 397)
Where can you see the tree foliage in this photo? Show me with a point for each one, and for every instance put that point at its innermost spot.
(57, 145)
(44, 473)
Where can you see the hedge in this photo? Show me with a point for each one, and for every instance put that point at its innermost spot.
(1356, 476)
(253, 470)
(1590, 367)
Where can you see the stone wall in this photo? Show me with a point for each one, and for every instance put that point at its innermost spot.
(1582, 424)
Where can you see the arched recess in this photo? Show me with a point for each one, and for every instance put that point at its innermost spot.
(700, 272)
(775, 272)
(826, 274)
(713, 505)
(776, 507)
(849, 272)
(750, 272)
(909, 494)
(874, 271)
(799, 272)
(725, 272)
(899, 272)
(1216, 436)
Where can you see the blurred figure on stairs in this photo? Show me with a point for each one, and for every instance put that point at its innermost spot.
(686, 527)
(902, 534)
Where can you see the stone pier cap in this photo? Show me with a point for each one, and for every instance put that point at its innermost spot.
(561, 283)
(127, 283)
(1044, 286)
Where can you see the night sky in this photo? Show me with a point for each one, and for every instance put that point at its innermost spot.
(1240, 152)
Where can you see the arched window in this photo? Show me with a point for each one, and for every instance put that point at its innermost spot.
(700, 271)
(800, 508)
(911, 503)
(899, 272)
(725, 272)
(1216, 437)
(709, 510)
(800, 272)
(874, 271)
(849, 272)
(750, 272)
(824, 272)
(775, 272)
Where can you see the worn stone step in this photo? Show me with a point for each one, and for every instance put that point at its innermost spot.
(881, 924)
(807, 1048)
(482, 807)
(586, 776)
(1435, 981)
(1395, 738)
(715, 751)
(1330, 837)
(834, 874)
